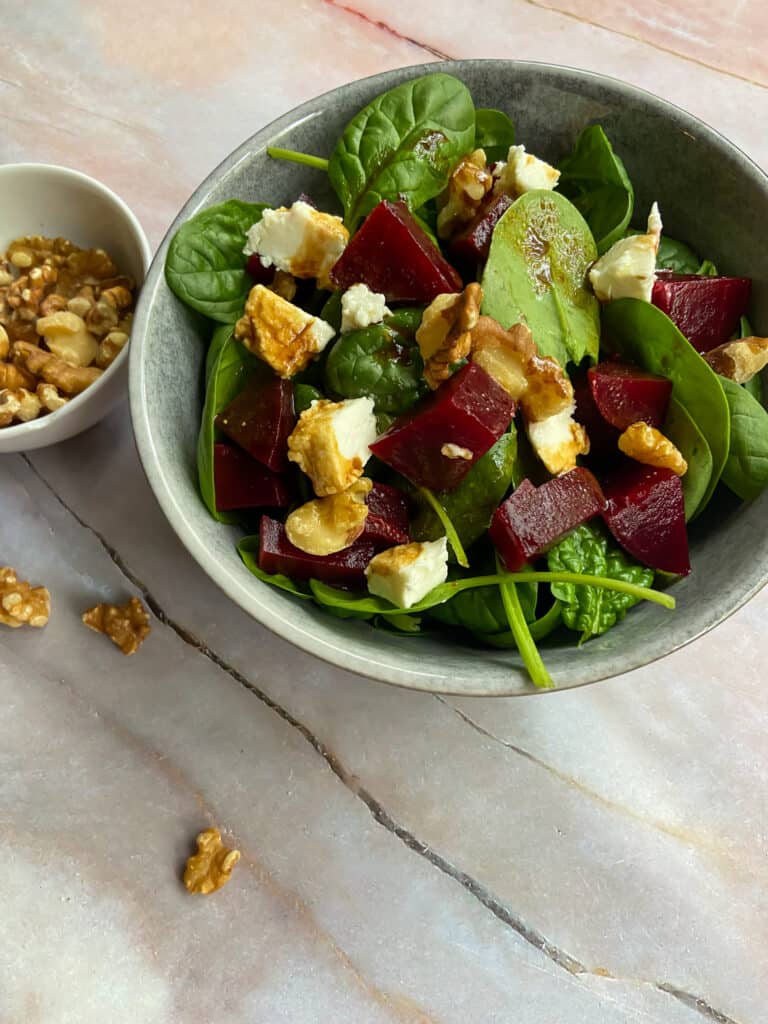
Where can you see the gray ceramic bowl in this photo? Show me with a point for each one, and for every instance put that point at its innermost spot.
(710, 194)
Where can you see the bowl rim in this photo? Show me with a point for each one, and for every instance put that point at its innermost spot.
(38, 427)
(248, 599)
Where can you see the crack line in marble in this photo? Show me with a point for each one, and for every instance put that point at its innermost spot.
(475, 888)
(376, 23)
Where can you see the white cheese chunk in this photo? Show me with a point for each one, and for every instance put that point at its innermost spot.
(282, 334)
(331, 443)
(299, 240)
(558, 439)
(405, 574)
(628, 269)
(360, 307)
(523, 172)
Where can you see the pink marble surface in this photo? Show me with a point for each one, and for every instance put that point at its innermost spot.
(596, 856)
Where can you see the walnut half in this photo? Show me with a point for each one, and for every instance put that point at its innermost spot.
(211, 867)
(127, 625)
(739, 360)
(445, 333)
(21, 604)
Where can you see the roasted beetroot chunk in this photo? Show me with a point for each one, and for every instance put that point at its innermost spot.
(277, 554)
(471, 246)
(625, 395)
(392, 254)
(532, 519)
(705, 309)
(387, 521)
(645, 512)
(241, 482)
(603, 438)
(256, 270)
(260, 419)
(470, 411)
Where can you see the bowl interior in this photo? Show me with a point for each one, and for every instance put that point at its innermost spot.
(710, 195)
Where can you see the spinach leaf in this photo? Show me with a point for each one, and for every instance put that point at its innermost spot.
(403, 145)
(303, 396)
(590, 610)
(205, 266)
(707, 269)
(518, 627)
(494, 133)
(746, 471)
(540, 629)
(681, 429)
(451, 536)
(228, 366)
(536, 272)
(248, 549)
(481, 611)
(376, 362)
(595, 179)
(677, 256)
(644, 335)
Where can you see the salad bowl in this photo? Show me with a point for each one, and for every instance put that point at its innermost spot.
(711, 195)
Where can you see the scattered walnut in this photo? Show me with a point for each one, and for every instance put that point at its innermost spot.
(739, 360)
(92, 265)
(126, 625)
(51, 304)
(50, 399)
(21, 604)
(12, 376)
(211, 867)
(284, 285)
(648, 445)
(18, 406)
(468, 185)
(110, 348)
(69, 379)
(27, 292)
(444, 335)
(503, 354)
(549, 389)
(327, 525)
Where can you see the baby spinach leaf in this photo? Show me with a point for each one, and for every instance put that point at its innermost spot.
(644, 335)
(591, 610)
(205, 266)
(536, 272)
(378, 363)
(677, 256)
(682, 430)
(403, 145)
(449, 530)
(494, 133)
(746, 471)
(303, 396)
(248, 549)
(707, 269)
(481, 611)
(518, 627)
(540, 629)
(594, 178)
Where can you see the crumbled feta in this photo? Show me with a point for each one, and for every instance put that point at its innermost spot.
(298, 239)
(331, 443)
(628, 269)
(558, 439)
(283, 335)
(405, 574)
(360, 307)
(523, 172)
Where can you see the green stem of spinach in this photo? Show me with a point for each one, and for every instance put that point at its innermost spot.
(450, 530)
(298, 158)
(526, 645)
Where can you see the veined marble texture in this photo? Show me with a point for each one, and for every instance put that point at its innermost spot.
(588, 857)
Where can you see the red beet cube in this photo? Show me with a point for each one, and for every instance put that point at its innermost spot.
(625, 394)
(260, 419)
(473, 243)
(645, 512)
(603, 438)
(532, 519)
(277, 554)
(392, 254)
(241, 482)
(705, 309)
(387, 521)
(470, 411)
(256, 269)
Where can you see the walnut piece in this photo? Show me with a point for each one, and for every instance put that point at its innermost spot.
(504, 354)
(69, 379)
(68, 338)
(50, 399)
(739, 360)
(549, 389)
(444, 335)
(110, 348)
(12, 376)
(21, 604)
(18, 406)
(211, 867)
(327, 525)
(27, 292)
(468, 185)
(127, 625)
(5, 343)
(648, 445)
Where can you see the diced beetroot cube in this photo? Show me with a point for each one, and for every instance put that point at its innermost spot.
(532, 519)
(241, 482)
(603, 438)
(256, 269)
(387, 521)
(470, 411)
(473, 243)
(625, 394)
(705, 309)
(392, 254)
(645, 512)
(277, 554)
(260, 419)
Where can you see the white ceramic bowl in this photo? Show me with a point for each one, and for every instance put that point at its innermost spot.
(43, 199)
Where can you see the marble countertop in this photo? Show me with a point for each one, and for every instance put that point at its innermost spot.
(587, 857)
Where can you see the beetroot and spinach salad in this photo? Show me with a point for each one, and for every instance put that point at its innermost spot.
(484, 348)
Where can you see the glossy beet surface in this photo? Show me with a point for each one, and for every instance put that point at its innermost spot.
(387, 521)
(241, 482)
(705, 309)
(278, 555)
(645, 512)
(625, 394)
(603, 438)
(532, 519)
(470, 410)
(392, 254)
(257, 271)
(260, 419)
(472, 244)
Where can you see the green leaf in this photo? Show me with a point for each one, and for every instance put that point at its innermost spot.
(540, 628)
(537, 271)
(403, 145)
(303, 396)
(494, 133)
(526, 645)
(205, 266)
(676, 256)
(379, 363)
(591, 610)
(746, 471)
(291, 155)
(449, 529)
(248, 549)
(595, 179)
(755, 384)
(643, 335)
(707, 269)
(681, 429)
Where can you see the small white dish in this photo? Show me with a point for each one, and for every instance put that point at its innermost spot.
(44, 199)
